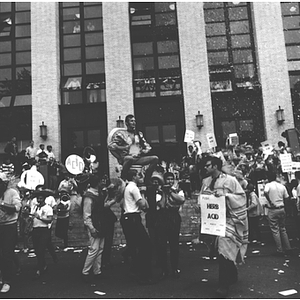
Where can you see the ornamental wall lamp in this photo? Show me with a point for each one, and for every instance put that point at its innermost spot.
(120, 122)
(199, 120)
(280, 115)
(43, 131)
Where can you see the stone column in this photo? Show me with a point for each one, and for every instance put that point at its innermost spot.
(273, 67)
(45, 66)
(118, 67)
(194, 68)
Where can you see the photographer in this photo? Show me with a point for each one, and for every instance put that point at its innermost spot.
(168, 225)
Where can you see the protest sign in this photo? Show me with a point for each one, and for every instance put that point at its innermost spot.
(211, 140)
(286, 162)
(189, 136)
(213, 215)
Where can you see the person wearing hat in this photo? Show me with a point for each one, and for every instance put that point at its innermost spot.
(42, 215)
(168, 225)
(10, 205)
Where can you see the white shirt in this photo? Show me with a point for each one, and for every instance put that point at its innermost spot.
(131, 196)
(277, 192)
(44, 212)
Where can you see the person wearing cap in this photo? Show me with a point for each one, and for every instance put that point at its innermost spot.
(42, 215)
(168, 225)
(10, 205)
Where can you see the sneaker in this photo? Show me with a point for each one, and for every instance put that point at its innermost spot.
(5, 288)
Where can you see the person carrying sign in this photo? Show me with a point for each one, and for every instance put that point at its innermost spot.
(235, 241)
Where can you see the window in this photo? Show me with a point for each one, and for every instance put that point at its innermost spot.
(15, 54)
(230, 46)
(82, 53)
(291, 28)
(155, 49)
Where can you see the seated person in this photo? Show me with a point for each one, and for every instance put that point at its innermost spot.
(130, 147)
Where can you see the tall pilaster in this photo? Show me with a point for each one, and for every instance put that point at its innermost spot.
(273, 67)
(118, 68)
(45, 73)
(194, 67)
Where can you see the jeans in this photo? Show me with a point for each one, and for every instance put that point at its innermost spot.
(8, 234)
(94, 256)
(276, 218)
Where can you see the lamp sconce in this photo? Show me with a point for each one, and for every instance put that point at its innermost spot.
(120, 122)
(199, 120)
(280, 115)
(43, 131)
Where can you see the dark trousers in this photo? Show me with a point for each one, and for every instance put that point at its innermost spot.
(139, 242)
(254, 231)
(109, 236)
(227, 272)
(40, 240)
(8, 234)
(167, 231)
(50, 246)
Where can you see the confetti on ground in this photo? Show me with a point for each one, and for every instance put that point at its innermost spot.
(99, 293)
(189, 243)
(285, 264)
(255, 251)
(68, 248)
(280, 272)
(275, 269)
(262, 244)
(205, 257)
(251, 290)
(276, 280)
(17, 250)
(77, 251)
(31, 255)
(288, 292)
(204, 280)
(205, 270)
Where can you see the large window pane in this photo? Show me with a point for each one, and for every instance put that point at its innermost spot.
(72, 69)
(239, 27)
(5, 59)
(94, 52)
(244, 71)
(293, 52)
(146, 63)
(214, 15)
(5, 101)
(164, 6)
(290, 8)
(165, 19)
(292, 22)
(23, 44)
(22, 100)
(23, 58)
(72, 40)
(93, 11)
(23, 17)
(5, 74)
(241, 41)
(95, 67)
(168, 62)
(292, 36)
(169, 133)
(71, 14)
(78, 140)
(215, 29)
(242, 56)
(72, 54)
(73, 97)
(5, 6)
(167, 47)
(93, 137)
(22, 30)
(5, 47)
(22, 6)
(142, 48)
(96, 95)
(238, 13)
(218, 58)
(23, 73)
(214, 43)
(94, 38)
(152, 134)
(92, 25)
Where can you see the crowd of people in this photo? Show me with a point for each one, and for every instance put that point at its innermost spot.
(238, 174)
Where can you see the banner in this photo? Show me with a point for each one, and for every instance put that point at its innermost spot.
(213, 215)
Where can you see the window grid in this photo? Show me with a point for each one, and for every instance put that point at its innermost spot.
(230, 46)
(155, 49)
(15, 53)
(82, 53)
